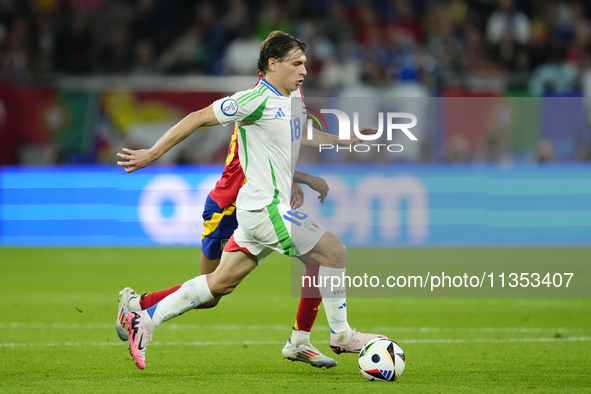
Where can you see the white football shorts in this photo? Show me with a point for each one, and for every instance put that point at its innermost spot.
(275, 228)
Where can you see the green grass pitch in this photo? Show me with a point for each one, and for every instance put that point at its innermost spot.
(58, 306)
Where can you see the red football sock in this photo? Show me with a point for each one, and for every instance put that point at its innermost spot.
(151, 299)
(309, 303)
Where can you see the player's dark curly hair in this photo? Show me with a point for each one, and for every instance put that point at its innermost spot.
(277, 45)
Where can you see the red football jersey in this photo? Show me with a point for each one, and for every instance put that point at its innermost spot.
(226, 189)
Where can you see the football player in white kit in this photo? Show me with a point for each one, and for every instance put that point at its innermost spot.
(268, 117)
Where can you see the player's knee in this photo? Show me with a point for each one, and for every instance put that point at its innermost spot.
(333, 251)
(340, 254)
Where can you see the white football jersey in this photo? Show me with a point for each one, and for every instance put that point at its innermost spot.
(269, 133)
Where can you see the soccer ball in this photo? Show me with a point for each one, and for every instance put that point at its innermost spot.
(382, 360)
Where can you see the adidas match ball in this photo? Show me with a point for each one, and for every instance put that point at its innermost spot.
(382, 360)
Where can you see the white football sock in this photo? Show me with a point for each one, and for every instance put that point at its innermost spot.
(335, 301)
(298, 337)
(134, 303)
(192, 293)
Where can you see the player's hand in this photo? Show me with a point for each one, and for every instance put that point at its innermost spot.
(134, 159)
(320, 185)
(364, 130)
(297, 196)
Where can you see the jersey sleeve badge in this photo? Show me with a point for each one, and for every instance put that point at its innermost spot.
(229, 107)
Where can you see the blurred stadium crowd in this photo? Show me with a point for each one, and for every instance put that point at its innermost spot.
(528, 45)
(356, 48)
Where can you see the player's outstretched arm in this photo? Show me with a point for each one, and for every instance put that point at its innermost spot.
(135, 159)
(322, 138)
(315, 183)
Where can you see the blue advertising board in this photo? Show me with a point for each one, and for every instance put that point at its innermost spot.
(368, 205)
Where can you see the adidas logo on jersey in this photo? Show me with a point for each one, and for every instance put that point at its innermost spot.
(279, 114)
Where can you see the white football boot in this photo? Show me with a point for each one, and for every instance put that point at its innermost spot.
(307, 353)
